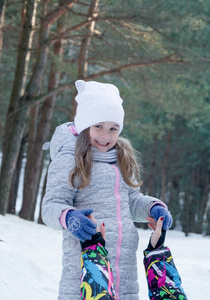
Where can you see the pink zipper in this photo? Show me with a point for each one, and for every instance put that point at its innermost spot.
(119, 221)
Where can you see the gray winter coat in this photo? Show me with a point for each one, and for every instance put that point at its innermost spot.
(114, 203)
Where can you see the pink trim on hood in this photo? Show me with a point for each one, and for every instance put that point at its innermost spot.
(72, 129)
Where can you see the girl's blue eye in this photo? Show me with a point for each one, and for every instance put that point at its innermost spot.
(113, 129)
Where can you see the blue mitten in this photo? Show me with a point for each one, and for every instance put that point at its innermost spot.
(80, 225)
(158, 211)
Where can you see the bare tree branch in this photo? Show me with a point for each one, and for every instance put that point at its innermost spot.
(53, 15)
(170, 59)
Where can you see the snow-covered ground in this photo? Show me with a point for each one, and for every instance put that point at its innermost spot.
(30, 261)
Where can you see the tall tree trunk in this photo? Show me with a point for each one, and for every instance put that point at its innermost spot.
(40, 134)
(28, 55)
(84, 48)
(15, 182)
(207, 232)
(174, 205)
(40, 221)
(202, 183)
(17, 113)
(30, 139)
(164, 167)
(19, 106)
(152, 166)
(205, 194)
(2, 14)
(186, 214)
(89, 30)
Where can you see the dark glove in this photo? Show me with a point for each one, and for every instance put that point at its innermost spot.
(80, 225)
(96, 238)
(158, 211)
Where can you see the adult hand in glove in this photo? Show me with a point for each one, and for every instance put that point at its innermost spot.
(78, 223)
(158, 211)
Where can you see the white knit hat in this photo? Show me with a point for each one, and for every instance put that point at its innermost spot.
(97, 102)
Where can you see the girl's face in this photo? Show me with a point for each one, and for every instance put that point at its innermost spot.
(104, 135)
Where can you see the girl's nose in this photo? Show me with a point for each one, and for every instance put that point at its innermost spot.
(105, 135)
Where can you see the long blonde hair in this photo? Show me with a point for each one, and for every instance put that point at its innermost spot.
(80, 175)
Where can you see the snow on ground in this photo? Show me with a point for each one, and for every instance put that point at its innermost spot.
(30, 261)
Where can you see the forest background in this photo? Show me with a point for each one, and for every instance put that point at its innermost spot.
(156, 52)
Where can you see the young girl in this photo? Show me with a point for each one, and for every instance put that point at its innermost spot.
(94, 170)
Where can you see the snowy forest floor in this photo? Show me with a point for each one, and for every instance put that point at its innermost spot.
(30, 261)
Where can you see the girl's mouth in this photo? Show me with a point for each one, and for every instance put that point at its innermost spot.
(102, 144)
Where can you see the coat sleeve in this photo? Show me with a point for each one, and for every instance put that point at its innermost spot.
(60, 194)
(140, 205)
(162, 276)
